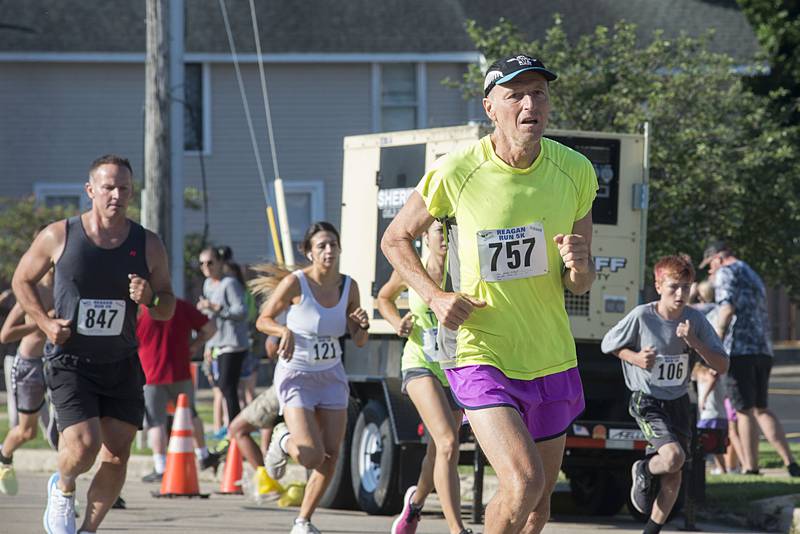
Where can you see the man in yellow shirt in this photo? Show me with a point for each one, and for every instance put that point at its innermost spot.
(522, 204)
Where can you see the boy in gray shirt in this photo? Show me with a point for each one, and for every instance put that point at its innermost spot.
(654, 342)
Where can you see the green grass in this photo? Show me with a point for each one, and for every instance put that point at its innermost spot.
(768, 457)
(204, 410)
(735, 492)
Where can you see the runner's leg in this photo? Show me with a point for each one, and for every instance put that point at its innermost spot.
(108, 481)
(442, 423)
(332, 425)
(666, 464)
(77, 450)
(20, 434)
(552, 453)
(513, 455)
(240, 430)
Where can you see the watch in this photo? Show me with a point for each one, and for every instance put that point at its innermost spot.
(155, 301)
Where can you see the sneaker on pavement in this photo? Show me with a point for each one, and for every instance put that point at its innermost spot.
(211, 461)
(59, 516)
(794, 469)
(120, 504)
(8, 480)
(409, 518)
(304, 527)
(275, 462)
(640, 488)
(152, 477)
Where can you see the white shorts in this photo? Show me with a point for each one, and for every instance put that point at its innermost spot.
(312, 389)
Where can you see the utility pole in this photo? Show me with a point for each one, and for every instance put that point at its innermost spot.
(156, 199)
(162, 199)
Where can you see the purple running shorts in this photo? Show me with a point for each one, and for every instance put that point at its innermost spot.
(548, 405)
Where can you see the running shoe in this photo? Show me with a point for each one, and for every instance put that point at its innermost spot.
(222, 433)
(302, 526)
(8, 480)
(794, 469)
(275, 462)
(120, 504)
(409, 518)
(59, 516)
(263, 484)
(641, 488)
(152, 477)
(211, 461)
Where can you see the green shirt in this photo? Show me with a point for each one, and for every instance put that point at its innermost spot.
(507, 218)
(421, 349)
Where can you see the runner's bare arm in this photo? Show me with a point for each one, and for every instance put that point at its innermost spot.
(15, 327)
(397, 244)
(357, 319)
(287, 292)
(155, 293)
(576, 252)
(388, 309)
(40, 257)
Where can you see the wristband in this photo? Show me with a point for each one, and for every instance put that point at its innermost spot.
(155, 301)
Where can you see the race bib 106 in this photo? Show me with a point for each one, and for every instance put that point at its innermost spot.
(670, 370)
(324, 349)
(100, 317)
(512, 253)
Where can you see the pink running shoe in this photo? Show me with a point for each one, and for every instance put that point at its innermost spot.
(407, 522)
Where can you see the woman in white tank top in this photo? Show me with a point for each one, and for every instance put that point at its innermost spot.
(322, 305)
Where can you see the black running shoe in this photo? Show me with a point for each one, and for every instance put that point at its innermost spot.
(211, 461)
(794, 469)
(152, 477)
(640, 488)
(119, 504)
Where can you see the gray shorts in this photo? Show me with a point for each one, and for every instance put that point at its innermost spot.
(264, 410)
(27, 383)
(156, 397)
(417, 372)
(312, 389)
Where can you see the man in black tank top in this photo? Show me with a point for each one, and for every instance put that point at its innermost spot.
(105, 266)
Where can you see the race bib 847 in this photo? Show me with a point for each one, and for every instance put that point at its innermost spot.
(512, 253)
(101, 317)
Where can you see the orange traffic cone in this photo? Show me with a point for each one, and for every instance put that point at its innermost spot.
(232, 477)
(180, 476)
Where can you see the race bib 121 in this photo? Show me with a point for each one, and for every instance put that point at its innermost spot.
(101, 317)
(324, 349)
(512, 253)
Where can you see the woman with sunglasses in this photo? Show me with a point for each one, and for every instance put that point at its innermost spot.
(322, 305)
(223, 301)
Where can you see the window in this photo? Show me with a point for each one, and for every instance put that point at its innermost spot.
(399, 101)
(305, 204)
(55, 194)
(196, 112)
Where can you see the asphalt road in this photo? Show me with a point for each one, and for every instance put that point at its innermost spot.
(22, 514)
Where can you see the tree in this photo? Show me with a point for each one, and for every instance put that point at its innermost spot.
(721, 165)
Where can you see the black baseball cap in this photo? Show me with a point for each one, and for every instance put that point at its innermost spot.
(506, 69)
(712, 250)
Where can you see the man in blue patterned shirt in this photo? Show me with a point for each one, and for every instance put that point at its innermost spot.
(743, 324)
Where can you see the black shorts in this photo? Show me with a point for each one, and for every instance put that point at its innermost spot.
(748, 381)
(81, 390)
(662, 421)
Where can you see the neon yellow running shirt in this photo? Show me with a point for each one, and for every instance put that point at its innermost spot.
(507, 218)
(421, 349)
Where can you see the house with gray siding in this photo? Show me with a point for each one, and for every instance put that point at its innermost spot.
(72, 88)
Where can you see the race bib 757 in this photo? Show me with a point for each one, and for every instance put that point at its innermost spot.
(512, 253)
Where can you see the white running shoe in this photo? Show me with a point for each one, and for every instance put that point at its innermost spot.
(59, 516)
(304, 527)
(8, 480)
(275, 462)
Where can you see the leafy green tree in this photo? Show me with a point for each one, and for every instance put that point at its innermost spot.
(20, 219)
(722, 166)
